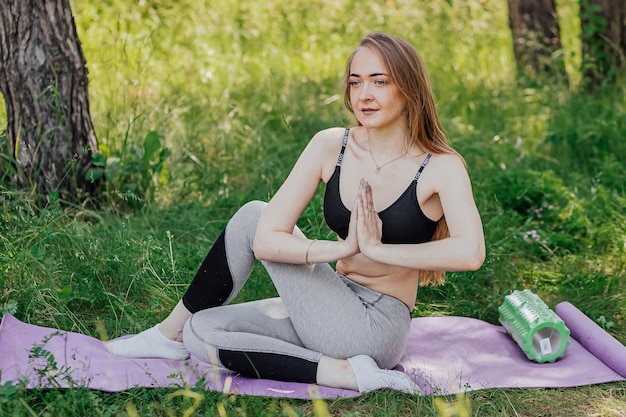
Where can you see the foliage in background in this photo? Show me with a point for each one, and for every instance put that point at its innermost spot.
(201, 106)
(132, 178)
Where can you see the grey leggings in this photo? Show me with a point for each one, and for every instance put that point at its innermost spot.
(319, 312)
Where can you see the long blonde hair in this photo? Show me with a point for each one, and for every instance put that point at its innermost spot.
(424, 128)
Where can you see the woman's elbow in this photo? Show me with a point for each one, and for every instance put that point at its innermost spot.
(474, 257)
(475, 263)
(259, 249)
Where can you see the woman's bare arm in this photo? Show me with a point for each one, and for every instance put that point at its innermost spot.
(465, 248)
(275, 239)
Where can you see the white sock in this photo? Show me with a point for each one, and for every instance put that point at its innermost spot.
(148, 344)
(370, 377)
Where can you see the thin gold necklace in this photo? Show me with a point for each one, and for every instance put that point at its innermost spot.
(379, 167)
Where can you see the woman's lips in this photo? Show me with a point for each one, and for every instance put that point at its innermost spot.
(368, 111)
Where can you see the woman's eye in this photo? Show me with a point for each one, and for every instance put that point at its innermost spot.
(354, 83)
(380, 82)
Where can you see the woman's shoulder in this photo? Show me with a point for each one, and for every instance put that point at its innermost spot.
(447, 160)
(445, 169)
(329, 139)
(331, 134)
(324, 149)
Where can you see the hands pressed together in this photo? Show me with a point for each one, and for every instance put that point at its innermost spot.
(366, 228)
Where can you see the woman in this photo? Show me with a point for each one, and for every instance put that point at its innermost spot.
(412, 217)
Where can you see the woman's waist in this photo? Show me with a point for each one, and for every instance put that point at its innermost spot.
(400, 283)
(365, 269)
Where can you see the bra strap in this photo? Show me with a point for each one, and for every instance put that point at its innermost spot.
(419, 172)
(343, 147)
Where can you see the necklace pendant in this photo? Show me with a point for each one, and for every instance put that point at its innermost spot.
(377, 170)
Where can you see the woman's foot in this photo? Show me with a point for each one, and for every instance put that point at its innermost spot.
(148, 344)
(370, 377)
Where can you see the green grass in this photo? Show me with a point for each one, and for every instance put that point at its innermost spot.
(234, 90)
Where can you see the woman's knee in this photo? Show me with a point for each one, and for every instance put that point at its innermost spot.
(244, 221)
(197, 342)
(251, 210)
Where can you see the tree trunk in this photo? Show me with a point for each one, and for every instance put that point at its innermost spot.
(536, 37)
(603, 33)
(44, 82)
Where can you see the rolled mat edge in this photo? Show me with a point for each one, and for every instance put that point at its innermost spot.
(593, 337)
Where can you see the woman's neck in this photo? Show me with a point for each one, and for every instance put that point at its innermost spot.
(389, 141)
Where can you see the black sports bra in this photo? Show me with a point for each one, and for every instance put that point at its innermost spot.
(403, 221)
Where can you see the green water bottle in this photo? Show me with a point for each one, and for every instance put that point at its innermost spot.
(538, 330)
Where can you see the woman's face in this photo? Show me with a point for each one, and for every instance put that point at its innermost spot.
(376, 99)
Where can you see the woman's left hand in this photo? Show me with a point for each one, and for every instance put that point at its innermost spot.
(369, 226)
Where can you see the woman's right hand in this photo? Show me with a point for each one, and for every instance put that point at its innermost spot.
(369, 225)
(351, 241)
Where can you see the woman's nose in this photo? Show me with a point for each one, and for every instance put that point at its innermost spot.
(365, 92)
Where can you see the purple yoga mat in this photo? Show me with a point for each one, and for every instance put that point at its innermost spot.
(50, 358)
(597, 341)
(445, 355)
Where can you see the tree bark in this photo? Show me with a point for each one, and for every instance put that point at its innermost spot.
(43, 78)
(603, 30)
(536, 37)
